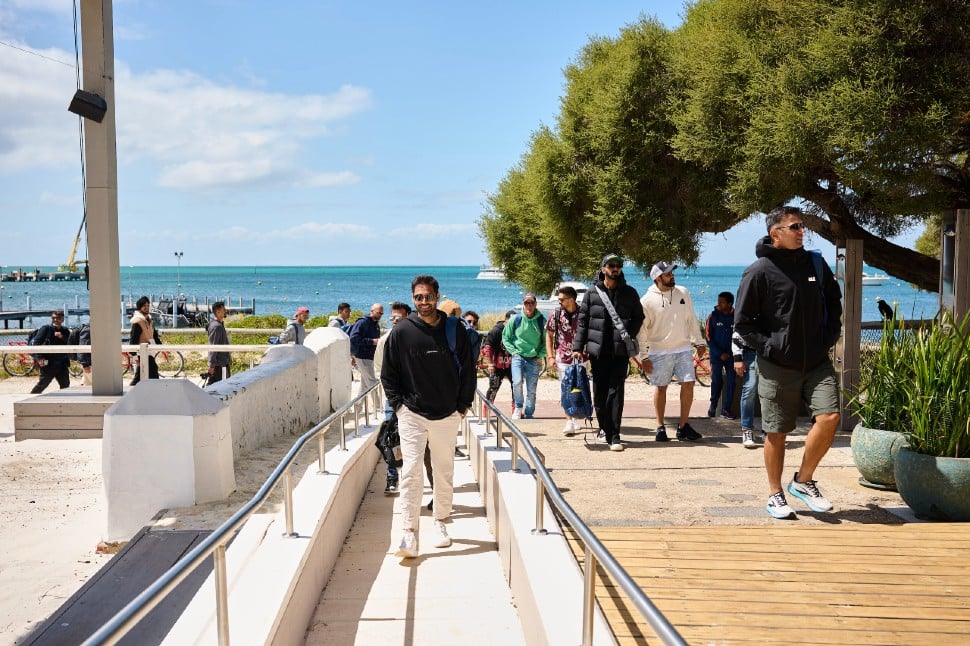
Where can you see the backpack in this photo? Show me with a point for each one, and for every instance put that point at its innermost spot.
(274, 340)
(348, 328)
(576, 399)
(389, 442)
(474, 339)
(39, 336)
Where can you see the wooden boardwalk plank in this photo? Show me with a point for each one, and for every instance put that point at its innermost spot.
(864, 584)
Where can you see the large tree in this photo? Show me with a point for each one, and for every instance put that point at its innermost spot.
(859, 108)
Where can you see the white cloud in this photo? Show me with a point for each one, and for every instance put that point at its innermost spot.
(201, 135)
(434, 231)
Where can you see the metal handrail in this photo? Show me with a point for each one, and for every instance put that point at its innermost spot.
(215, 543)
(596, 552)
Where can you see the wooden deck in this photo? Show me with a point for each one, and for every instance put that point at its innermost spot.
(851, 584)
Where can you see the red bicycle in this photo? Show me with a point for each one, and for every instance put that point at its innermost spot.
(19, 364)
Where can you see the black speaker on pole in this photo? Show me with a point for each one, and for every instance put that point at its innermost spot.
(88, 105)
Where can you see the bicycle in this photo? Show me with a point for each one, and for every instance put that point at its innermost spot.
(20, 364)
(171, 363)
(702, 371)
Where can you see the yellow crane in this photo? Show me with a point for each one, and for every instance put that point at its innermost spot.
(71, 264)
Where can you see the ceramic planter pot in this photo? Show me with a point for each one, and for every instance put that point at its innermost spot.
(874, 453)
(934, 488)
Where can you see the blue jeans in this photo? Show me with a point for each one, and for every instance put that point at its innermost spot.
(749, 388)
(389, 459)
(722, 380)
(525, 369)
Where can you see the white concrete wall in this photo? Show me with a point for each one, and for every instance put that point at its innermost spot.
(166, 444)
(293, 388)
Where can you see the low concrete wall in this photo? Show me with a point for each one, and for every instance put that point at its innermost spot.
(275, 580)
(293, 388)
(546, 582)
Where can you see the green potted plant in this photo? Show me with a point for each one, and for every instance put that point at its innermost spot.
(933, 472)
(881, 395)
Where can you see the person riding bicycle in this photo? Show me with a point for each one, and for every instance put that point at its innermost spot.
(667, 335)
(143, 331)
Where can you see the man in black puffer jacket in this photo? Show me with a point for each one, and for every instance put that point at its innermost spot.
(608, 355)
(789, 310)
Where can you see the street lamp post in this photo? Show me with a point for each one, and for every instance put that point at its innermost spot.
(178, 275)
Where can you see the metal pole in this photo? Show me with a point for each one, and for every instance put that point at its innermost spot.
(515, 454)
(321, 455)
(589, 598)
(222, 594)
(343, 439)
(498, 432)
(356, 418)
(540, 503)
(288, 501)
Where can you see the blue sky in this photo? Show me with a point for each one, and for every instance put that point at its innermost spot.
(295, 133)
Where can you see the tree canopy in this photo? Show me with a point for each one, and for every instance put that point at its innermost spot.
(860, 109)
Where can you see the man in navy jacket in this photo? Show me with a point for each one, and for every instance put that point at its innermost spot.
(363, 337)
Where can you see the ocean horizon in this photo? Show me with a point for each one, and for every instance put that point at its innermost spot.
(283, 288)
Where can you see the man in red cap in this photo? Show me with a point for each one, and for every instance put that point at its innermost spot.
(295, 332)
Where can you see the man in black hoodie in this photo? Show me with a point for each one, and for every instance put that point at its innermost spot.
(608, 354)
(789, 310)
(430, 386)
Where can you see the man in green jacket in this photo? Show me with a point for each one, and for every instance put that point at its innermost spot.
(524, 339)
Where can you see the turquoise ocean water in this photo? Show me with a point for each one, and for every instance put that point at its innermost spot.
(283, 289)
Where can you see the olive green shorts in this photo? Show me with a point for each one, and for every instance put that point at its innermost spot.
(783, 391)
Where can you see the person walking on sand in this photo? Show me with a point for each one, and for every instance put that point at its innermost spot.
(611, 303)
(431, 388)
(747, 370)
(524, 339)
(364, 337)
(789, 310)
(52, 366)
(560, 334)
(143, 331)
(498, 362)
(216, 330)
(668, 338)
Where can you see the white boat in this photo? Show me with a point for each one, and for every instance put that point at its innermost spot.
(548, 305)
(873, 279)
(487, 272)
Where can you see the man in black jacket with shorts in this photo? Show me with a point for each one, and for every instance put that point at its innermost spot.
(789, 310)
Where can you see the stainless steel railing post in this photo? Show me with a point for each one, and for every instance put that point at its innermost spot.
(540, 502)
(488, 420)
(498, 432)
(589, 596)
(356, 418)
(343, 438)
(288, 500)
(321, 455)
(222, 594)
(515, 453)
(366, 414)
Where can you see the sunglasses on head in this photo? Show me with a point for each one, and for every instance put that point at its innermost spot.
(794, 226)
(424, 298)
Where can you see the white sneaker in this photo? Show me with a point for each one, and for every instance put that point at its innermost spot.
(517, 413)
(809, 494)
(778, 507)
(570, 428)
(616, 446)
(747, 438)
(441, 532)
(409, 546)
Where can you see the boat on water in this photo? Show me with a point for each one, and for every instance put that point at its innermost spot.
(869, 280)
(548, 305)
(487, 272)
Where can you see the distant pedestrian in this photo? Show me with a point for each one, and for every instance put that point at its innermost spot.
(471, 319)
(668, 338)
(342, 318)
(52, 366)
(612, 304)
(560, 334)
(498, 362)
(431, 389)
(746, 368)
(143, 331)
(789, 310)
(294, 332)
(219, 362)
(524, 338)
(363, 338)
(718, 330)
(83, 337)
(399, 312)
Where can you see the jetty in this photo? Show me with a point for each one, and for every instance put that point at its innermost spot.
(188, 310)
(21, 276)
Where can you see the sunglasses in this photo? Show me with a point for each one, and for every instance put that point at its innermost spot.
(424, 298)
(794, 226)
(613, 265)
(395, 317)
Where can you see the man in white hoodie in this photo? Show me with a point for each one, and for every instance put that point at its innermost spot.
(667, 339)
